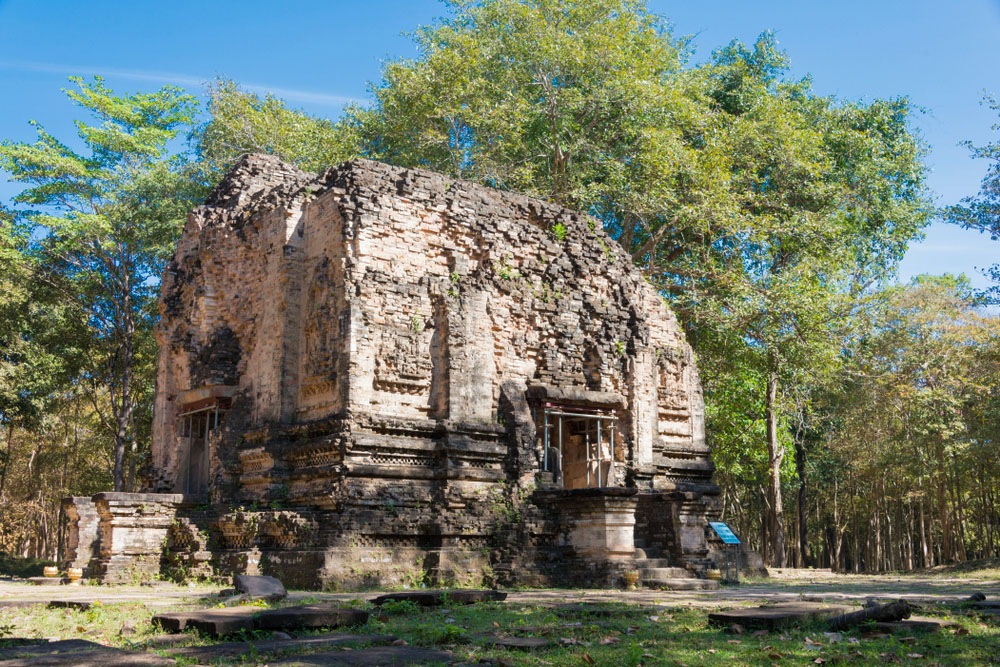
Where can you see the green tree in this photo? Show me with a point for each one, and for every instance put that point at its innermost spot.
(104, 222)
(242, 122)
(982, 211)
(548, 97)
(910, 428)
(807, 204)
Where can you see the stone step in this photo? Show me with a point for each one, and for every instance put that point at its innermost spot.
(667, 572)
(681, 584)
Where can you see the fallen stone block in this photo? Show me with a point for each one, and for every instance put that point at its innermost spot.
(598, 610)
(437, 598)
(379, 656)
(310, 616)
(883, 613)
(45, 581)
(219, 622)
(174, 621)
(913, 624)
(771, 617)
(516, 643)
(259, 588)
(26, 647)
(79, 605)
(214, 622)
(78, 653)
(987, 604)
(207, 654)
(166, 641)
(18, 604)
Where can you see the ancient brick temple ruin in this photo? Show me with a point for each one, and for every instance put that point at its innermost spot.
(382, 376)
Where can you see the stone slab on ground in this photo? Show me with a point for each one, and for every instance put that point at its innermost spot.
(378, 656)
(681, 584)
(78, 653)
(175, 621)
(914, 624)
(79, 605)
(17, 604)
(259, 588)
(775, 616)
(208, 654)
(221, 622)
(987, 604)
(310, 616)
(228, 620)
(214, 622)
(435, 598)
(166, 641)
(45, 581)
(517, 643)
(599, 610)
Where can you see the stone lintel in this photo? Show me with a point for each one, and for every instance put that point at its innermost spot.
(542, 392)
(205, 392)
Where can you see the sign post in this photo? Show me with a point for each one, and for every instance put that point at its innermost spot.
(732, 543)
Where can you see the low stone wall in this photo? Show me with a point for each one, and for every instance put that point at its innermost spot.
(82, 534)
(121, 537)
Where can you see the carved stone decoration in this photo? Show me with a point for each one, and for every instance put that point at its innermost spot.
(403, 364)
(671, 389)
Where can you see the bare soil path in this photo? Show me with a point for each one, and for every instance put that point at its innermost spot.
(783, 586)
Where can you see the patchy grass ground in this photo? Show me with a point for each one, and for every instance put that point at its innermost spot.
(601, 633)
(976, 569)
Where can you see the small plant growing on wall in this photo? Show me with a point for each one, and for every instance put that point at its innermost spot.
(559, 231)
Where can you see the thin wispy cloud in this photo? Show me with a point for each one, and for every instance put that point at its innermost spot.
(176, 78)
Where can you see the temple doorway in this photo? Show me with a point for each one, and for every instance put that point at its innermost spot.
(196, 425)
(578, 444)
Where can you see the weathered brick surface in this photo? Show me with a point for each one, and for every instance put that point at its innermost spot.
(378, 340)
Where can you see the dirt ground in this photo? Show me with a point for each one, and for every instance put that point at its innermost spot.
(782, 585)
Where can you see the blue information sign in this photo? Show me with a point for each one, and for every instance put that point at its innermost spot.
(724, 532)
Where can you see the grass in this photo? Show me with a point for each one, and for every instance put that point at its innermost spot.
(595, 633)
(633, 636)
(974, 569)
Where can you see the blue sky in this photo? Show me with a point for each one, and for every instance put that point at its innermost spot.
(319, 54)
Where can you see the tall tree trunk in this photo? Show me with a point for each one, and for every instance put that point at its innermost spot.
(6, 461)
(942, 507)
(123, 417)
(925, 548)
(803, 512)
(838, 534)
(775, 455)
